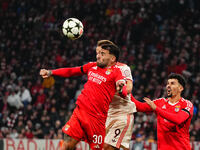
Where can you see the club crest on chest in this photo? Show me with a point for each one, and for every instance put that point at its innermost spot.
(177, 108)
(108, 71)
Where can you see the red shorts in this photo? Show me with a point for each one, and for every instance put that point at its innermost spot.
(83, 126)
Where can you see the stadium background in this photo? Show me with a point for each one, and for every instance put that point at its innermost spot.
(156, 37)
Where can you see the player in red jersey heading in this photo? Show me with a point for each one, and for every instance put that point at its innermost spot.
(120, 118)
(104, 79)
(174, 115)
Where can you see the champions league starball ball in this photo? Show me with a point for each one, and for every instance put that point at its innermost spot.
(72, 28)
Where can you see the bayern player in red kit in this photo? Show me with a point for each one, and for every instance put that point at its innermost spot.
(87, 122)
(174, 115)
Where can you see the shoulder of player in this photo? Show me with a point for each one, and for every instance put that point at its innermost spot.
(186, 102)
(121, 66)
(159, 100)
(92, 63)
(118, 64)
(88, 66)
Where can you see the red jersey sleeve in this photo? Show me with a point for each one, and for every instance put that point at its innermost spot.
(140, 106)
(188, 107)
(74, 71)
(179, 117)
(143, 106)
(87, 66)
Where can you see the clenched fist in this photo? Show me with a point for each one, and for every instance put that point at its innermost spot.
(45, 73)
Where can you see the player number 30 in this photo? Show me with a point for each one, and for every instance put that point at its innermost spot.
(97, 139)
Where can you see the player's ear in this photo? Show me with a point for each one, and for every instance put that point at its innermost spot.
(113, 58)
(181, 88)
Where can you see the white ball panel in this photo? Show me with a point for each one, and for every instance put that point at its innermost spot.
(75, 30)
(64, 31)
(70, 35)
(65, 24)
(72, 24)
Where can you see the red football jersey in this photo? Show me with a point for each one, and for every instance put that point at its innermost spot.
(98, 90)
(173, 121)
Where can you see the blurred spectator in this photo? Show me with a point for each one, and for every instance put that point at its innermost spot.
(40, 100)
(138, 144)
(25, 96)
(13, 133)
(38, 133)
(57, 125)
(36, 88)
(29, 134)
(13, 99)
(20, 126)
(11, 119)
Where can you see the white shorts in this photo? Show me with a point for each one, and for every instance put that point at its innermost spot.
(119, 130)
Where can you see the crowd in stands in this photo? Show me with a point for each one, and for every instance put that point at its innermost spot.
(156, 37)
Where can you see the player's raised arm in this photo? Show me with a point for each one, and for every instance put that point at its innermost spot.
(63, 72)
(67, 72)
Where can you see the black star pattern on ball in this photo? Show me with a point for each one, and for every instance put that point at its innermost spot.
(78, 25)
(69, 29)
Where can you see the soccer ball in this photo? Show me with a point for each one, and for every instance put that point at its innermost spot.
(72, 28)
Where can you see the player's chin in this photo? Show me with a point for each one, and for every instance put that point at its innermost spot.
(169, 95)
(101, 65)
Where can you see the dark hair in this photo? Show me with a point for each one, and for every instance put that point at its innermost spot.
(103, 42)
(179, 77)
(110, 46)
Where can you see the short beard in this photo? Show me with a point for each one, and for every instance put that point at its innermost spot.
(101, 65)
(169, 96)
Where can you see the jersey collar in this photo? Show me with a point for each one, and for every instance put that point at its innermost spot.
(172, 104)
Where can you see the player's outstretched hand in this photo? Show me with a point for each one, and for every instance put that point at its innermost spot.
(45, 73)
(150, 103)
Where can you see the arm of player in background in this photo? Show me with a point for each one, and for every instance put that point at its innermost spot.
(176, 118)
(141, 107)
(129, 86)
(126, 72)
